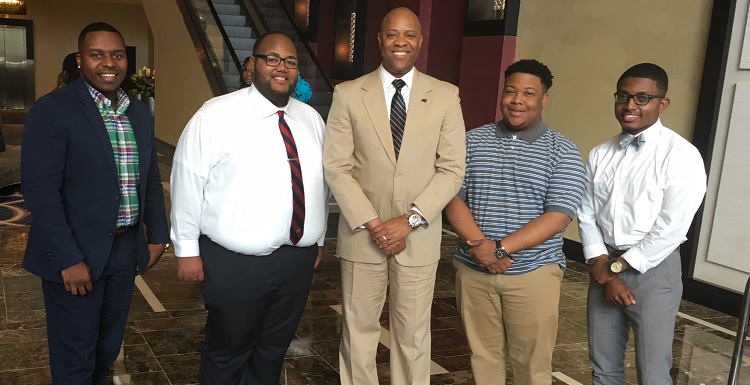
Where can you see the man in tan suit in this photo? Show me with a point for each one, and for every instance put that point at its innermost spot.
(394, 156)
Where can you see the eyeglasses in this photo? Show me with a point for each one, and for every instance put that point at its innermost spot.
(274, 60)
(639, 99)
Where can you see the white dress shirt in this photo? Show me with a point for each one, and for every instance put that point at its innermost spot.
(642, 200)
(231, 179)
(389, 89)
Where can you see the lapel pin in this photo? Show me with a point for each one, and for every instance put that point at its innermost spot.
(424, 100)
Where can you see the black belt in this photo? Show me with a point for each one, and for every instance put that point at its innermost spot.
(123, 229)
(614, 253)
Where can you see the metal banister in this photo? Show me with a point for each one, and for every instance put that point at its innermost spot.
(739, 341)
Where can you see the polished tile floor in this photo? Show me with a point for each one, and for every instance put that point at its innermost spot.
(165, 330)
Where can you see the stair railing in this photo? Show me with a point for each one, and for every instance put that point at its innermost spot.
(739, 340)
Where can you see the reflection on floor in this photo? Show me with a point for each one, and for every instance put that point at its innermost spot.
(162, 347)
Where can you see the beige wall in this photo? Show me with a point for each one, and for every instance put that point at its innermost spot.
(57, 24)
(181, 86)
(589, 43)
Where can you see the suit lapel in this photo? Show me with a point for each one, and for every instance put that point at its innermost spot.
(419, 105)
(374, 102)
(89, 109)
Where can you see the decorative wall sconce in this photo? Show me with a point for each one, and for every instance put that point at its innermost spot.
(302, 14)
(13, 7)
(352, 35)
(498, 9)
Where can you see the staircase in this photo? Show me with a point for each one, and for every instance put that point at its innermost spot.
(242, 34)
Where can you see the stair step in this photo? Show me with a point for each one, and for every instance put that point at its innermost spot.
(227, 9)
(223, 1)
(242, 43)
(238, 31)
(233, 21)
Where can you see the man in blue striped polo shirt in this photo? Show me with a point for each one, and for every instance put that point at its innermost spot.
(522, 187)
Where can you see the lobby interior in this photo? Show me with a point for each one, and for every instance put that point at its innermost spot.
(586, 43)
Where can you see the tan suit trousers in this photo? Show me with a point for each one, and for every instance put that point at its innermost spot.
(510, 314)
(364, 287)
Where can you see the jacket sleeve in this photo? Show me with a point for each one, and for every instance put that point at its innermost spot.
(43, 159)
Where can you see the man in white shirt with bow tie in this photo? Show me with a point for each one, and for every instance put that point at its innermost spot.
(643, 188)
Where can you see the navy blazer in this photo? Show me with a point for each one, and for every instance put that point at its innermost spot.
(70, 184)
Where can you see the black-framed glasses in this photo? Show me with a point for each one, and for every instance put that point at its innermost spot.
(639, 99)
(274, 60)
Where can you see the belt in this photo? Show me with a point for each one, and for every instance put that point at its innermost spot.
(614, 253)
(123, 229)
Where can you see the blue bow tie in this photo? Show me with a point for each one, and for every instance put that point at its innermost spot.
(627, 139)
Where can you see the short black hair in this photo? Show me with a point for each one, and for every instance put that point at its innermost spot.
(648, 71)
(98, 26)
(531, 67)
(267, 34)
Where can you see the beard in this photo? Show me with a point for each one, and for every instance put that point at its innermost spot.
(278, 98)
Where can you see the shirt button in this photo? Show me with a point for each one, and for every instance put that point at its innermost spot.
(111, 234)
(116, 197)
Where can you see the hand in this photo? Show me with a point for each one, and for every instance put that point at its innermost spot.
(190, 269)
(390, 232)
(77, 279)
(500, 265)
(483, 251)
(319, 258)
(155, 251)
(618, 293)
(395, 248)
(599, 269)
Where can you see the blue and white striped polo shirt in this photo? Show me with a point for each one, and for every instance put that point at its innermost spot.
(511, 179)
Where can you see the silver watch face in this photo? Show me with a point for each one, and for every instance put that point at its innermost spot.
(501, 253)
(414, 221)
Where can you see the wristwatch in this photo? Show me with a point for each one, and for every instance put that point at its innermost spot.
(615, 266)
(500, 251)
(415, 220)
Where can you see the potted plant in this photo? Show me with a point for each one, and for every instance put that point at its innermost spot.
(143, 86)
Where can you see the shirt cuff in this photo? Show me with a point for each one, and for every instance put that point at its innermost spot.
(362, 226)
(636, 260)
(186, 248)
(595, 250)
(415, 208)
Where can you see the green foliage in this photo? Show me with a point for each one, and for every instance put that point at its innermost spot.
(143, 81)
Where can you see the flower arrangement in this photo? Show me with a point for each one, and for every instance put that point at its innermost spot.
(143, 82)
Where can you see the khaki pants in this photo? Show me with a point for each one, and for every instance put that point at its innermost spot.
(364, 287)
(510, 314)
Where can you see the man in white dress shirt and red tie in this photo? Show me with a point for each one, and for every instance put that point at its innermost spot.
(643, 188)
(249, 207)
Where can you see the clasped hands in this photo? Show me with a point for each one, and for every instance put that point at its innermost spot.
(390, 236)
(483, 251)
(616, 291)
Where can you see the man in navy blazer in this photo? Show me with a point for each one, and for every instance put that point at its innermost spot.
(90, 178)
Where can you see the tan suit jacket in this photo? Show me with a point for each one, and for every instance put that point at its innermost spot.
(367, 181)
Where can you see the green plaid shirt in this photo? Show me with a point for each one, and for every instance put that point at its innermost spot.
(126, 152)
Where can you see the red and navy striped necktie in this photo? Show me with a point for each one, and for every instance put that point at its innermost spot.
(297, 227)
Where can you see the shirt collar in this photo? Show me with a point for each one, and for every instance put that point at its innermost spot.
(529, 136)
(123, 101)
(387, 78)
(265, 108)
(650, 134)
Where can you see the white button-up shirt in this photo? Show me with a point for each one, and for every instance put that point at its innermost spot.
(642, 200)
(231, 179)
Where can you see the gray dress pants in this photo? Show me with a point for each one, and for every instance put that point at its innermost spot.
(657, 294)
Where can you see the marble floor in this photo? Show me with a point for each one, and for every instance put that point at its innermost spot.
(165, 329)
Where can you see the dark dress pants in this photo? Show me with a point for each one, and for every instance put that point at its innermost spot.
(254, 306)
(85, 332)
